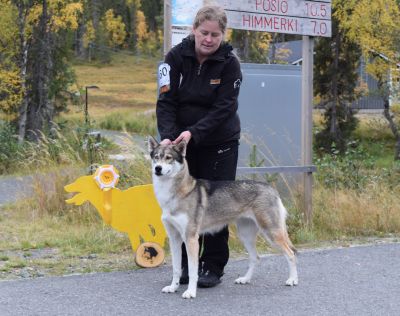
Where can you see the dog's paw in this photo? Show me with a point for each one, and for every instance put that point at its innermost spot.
(292, 281)
(189, 294)
(242, 280)
(169, 289)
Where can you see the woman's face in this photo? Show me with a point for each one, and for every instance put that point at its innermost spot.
(208, 37)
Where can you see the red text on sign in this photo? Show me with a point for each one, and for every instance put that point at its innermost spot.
(275, 23)
(272, 6)
(316, 9)
(319, 28)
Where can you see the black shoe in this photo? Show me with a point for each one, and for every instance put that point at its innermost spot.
(208, 279)
(185, 276)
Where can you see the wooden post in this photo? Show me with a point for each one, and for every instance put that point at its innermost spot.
(167, 26)
(306, 130)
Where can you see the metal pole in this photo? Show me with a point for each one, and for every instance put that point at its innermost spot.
(167, 26)
(87, 127)
(86, 108)
(306, 105)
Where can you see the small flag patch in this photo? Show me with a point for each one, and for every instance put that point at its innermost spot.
(215, 81)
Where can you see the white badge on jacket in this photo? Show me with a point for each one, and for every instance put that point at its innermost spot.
(163, 77)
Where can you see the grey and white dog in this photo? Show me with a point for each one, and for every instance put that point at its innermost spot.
(191, 207)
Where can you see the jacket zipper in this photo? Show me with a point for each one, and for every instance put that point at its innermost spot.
(199, 69)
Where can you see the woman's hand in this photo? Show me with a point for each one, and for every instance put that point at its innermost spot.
(185, 135)
(166, 141)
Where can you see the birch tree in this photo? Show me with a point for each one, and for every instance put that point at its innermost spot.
(375, 26)
(13, 21)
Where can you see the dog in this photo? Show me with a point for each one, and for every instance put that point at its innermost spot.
(191, 207)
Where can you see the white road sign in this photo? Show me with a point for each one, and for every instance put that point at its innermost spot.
(183, 11)
(282, 16)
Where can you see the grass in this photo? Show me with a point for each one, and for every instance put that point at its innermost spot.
(374, 133)
(358, 194)
(374, 211)
(65, 147)
(127, 91)
(4, 258)
(142, 123)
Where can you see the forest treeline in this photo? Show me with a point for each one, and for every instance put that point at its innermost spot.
(38, 38)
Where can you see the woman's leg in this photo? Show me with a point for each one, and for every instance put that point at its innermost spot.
(216, 163)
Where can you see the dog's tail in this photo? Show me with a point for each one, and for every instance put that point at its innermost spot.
(292, 247)
(283, 214)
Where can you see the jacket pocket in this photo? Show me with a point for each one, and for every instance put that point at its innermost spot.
(209, 91)
(226, 161)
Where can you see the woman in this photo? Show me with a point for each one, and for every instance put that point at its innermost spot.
(198, 104)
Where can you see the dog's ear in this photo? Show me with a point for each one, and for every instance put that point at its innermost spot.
(152, 143)
(181, 148)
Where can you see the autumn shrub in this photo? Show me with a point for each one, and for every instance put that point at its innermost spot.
(355, 197)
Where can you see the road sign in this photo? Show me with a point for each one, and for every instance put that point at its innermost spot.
(182, 16)
(183, 11)
(302, 17)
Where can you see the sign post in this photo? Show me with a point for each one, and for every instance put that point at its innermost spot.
(307, 122)
(178, 20)
(167, 26)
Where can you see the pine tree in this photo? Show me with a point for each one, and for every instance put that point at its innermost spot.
(152, 11)
(251, 46)
(335, 78)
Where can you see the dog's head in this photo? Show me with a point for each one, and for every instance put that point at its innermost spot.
(167, 160)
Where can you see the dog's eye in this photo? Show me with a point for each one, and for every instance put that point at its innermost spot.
(168, 157)
(157, 156)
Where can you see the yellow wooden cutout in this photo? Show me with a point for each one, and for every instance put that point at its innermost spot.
(134, 211)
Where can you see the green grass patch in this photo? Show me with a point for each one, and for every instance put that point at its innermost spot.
(66, 146)
(4, 258)
(26, 245)
(143, 124)
(17, 264)
(127, 85)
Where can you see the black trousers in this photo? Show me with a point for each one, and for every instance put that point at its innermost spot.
(216, 162)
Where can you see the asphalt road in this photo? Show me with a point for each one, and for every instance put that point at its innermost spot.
(362, 280)
(14, 188)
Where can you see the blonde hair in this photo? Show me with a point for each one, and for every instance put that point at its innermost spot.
(211, 13)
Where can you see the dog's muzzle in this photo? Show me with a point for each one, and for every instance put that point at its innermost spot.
(158, 170)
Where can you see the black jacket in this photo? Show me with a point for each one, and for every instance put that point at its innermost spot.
(202, 98)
